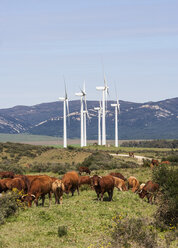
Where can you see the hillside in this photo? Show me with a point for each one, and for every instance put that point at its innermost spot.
(151, 120)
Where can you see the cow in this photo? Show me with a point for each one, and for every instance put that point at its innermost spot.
(120, 184)
(102, 185)
(141, 187)
(133, 183)
(6, 174)
(155, 162)
(131, 154)
(17, 183)
(71, 182)
(165, 162)
(149, 190)
(117, 174)
(84, 169)
(58, 189)
(3, 186)
(39, 187)
(84, 180)
(26, 181)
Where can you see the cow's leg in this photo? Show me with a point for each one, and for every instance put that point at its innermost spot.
(49, 198)
(43, 199)
(102, 193)
(78, 189)
(111, 195)
(98, 195)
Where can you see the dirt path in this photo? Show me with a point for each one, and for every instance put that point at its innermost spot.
(139, 158)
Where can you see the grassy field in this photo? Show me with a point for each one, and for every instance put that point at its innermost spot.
(89, 223)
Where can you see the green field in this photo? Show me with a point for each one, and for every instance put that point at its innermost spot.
(89, 223)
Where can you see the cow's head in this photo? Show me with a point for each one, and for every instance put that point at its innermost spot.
(29, 199)
(142, 193)
(95, 180)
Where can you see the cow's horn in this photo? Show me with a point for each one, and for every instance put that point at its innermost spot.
(99, 176)
(33, 195)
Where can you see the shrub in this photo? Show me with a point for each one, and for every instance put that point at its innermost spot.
(133, 233)
(62, 231)
(8, 206)
(146, 163)
(10, 166)
(168, 208)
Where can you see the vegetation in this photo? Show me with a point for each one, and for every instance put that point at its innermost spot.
(83, 222)
(152, 144)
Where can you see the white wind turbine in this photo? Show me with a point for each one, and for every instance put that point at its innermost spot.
(66, 104)
(83, 113)
(105, 92)
(117, 111)
(99, 123)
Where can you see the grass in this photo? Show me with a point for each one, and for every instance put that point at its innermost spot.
(87, 220)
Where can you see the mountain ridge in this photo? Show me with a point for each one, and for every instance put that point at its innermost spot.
(148, 120)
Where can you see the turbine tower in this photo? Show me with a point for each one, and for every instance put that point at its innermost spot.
(117, 110)
(83, 113)
(66, 104)
(105, 91)
(99, 123)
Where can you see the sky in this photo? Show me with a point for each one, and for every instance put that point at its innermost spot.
(134, 42)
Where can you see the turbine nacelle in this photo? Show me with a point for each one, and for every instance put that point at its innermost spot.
(62, 98)
(79, 94)
(100, 87)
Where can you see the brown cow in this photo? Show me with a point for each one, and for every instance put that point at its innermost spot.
(84, 169)
(149, 190)
(3, 186)
(6, 174)
(71, 182)
(165, 162)
(102, 185)
(117, 174)
(131, 154)
(16, 183)
(120, 184)
(39, 187)
(133, 183)
(155, 162)
(84, 180)
(58, 189)
(26, 182)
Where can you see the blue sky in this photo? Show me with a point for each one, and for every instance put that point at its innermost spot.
(40, 41)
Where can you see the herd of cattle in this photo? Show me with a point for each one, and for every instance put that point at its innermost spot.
(38, 186)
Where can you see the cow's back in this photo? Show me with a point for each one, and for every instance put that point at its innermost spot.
(41, 185)
(72, 177)
(107, 182)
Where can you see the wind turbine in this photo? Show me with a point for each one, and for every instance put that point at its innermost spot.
(99, 123)
(66, 104)
(117, 110)
(82, 94)
(105, 91)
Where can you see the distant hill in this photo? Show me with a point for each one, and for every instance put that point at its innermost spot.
(150, 120)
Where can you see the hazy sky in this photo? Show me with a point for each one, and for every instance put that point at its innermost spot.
(42, 40)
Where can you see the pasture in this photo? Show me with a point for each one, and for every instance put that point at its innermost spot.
(86, 222)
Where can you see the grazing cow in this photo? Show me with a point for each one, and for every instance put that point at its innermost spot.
(155, 162)
(141, 187)
(120, 184)
(131, 154)
(149, 190)
(39, 187)
(71, 182)
(133, 183)
(58, 189)
(3, 186)
(84, 180)
(16, 183)
(117, 174)
(84, 169)
(26, 182)
(102, 185)
(165, 162)
(6, 174)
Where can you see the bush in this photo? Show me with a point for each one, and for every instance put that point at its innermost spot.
(134, 233)
(51, 167)
(146, 163)
(8, 206)
(168, 208)
(62, 231)
(10, 166)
